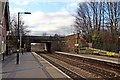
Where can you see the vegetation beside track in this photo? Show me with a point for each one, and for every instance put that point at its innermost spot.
(94, 51)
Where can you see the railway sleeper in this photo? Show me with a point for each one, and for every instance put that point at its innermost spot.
(89, 68)
(70, 73)
(116, 66)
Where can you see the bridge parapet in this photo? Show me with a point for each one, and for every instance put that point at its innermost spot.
(38, 38)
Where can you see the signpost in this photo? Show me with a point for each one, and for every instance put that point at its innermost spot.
(76, 45)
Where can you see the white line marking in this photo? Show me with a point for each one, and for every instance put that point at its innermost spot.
(53, 66)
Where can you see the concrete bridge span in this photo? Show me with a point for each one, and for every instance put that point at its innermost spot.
(48, 40)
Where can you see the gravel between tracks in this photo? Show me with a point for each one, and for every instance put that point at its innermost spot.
(77, 70)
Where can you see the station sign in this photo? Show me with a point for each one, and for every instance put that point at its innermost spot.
(76, 44)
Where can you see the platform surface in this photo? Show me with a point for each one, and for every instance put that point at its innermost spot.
(31, 66)
(95, 57)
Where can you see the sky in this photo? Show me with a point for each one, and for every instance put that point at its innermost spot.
(51, 17)
(48, 16)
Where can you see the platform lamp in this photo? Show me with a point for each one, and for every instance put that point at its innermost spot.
(19, 37)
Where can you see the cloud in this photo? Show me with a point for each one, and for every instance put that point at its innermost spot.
(26, 2)
(23, 2)
(72, 6)
(49, 22)
(16, 10)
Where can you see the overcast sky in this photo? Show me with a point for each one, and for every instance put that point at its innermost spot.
(46, 17)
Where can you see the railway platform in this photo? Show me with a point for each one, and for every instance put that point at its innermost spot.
(31, 66)
(95, 57)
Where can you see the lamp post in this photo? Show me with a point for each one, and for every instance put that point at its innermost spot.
(77, 41)
(19, 38)
(118, 46)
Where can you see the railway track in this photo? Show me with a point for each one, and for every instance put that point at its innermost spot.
(112, 66)
(79, 67)
(104, 71)
(68, 69)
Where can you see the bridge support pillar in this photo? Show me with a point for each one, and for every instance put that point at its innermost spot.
(48, 45)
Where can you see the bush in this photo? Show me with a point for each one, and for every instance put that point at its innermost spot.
(89, 51)
(96, 52)
(110, 54)
(102, 53)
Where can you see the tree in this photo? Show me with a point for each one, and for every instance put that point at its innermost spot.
(98, 19)
(44, 34)
(14, 29)
(14, 26)
(113, 15)
(83, 18)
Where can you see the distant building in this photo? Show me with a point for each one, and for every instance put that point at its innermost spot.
(72, 41)
(4, 24)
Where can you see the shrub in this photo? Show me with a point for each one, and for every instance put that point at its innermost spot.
(110, 54)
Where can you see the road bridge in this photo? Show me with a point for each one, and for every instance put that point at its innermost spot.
(48, 40)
